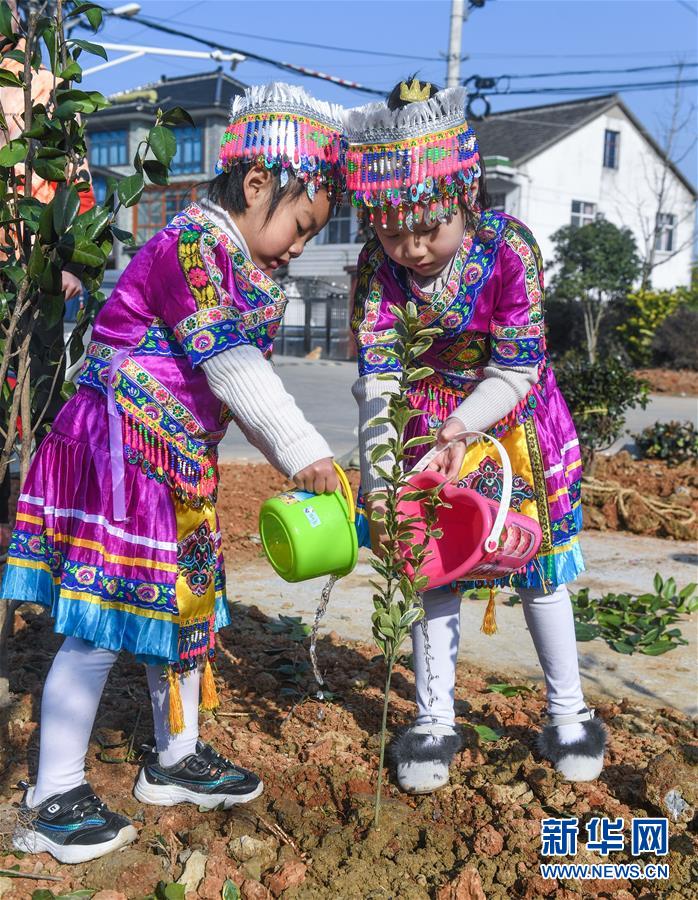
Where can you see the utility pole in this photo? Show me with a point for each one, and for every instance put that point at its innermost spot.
(459, 13)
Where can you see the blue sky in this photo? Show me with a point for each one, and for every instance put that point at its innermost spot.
(505, 37)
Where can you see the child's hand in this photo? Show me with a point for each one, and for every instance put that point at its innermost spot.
(376, 530)
(70, 285)
(450, 460)
(318, 478)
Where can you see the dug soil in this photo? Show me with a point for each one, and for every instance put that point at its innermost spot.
(646, 487)
(680, 383)
(310, 834)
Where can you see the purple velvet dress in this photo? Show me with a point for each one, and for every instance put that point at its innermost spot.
(116, 528)
(490, 309)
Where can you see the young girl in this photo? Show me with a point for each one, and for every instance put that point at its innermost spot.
(116, 529)
(413, 166)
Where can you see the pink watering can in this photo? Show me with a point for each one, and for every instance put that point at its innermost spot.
(482, 540)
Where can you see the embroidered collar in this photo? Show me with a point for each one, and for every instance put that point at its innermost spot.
(471, 268)
(248, 275)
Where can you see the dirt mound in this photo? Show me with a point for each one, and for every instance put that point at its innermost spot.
(309, 835)
(680, 383)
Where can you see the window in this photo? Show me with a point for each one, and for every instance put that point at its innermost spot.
(109, 148)
(582, 213)
(611, 145)
(498, 201)
(341, 229)
(664, 234)
(156, 207)
(187, 159)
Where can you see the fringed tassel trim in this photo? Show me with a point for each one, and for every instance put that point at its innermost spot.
(194, 481)
(176, 711)
(489, 620)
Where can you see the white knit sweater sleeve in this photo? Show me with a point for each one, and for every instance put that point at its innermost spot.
(266, 414)
(500, 391)
(372, 395)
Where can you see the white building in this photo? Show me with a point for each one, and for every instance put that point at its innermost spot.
(563, 164)
(568, 163)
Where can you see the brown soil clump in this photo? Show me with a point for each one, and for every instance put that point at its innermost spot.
(680, 383)
(310, 834)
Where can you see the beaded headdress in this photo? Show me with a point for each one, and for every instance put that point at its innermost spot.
(421, 159)
(283, 128)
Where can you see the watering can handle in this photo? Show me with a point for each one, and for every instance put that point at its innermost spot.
(492, 540)
(346, 490)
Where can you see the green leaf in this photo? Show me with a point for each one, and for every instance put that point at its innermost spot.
(80, 9)
(622, 647)
(176, 116)
(89, 47)
(13, 152)
(43, 894)
(230, 889)
(130, 189)
(658, 648)
(124, 236)
(171, 891)
(50, 169)
(94, 17)
(72, 71)
(52, 307)
(419, 374)
(509, 690)
(66, 205)
(585, 632)
(6, 21)
(8, 79)
(156, 172)
(485, 733)
(37, 261)
(88, 254)
(163, 144)
(419, 441)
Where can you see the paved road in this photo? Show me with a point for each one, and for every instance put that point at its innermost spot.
(323, 391)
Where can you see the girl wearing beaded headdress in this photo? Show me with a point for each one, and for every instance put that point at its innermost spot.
(117, 531)
(414, 171)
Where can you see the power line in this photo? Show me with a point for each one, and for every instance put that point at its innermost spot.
(265, 37)
(285, 66)
(604, 89)
(688, 6)
(605, 71)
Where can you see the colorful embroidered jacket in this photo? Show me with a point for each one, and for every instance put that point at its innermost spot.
(189, 294)
(490, 309)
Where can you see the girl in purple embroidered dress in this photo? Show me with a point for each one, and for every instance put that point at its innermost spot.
(116, 529)
(413, 167)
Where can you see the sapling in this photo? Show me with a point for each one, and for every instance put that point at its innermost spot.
(397, 598)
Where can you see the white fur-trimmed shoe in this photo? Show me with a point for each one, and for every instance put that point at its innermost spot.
(422, 755)
(581, 759)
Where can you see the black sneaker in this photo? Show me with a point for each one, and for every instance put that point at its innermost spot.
(73, 827)
(205, 778)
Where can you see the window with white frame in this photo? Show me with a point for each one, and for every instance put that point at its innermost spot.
(664, 234)
(109, 148)
(342, 228)
(583, 213)
(611, 146)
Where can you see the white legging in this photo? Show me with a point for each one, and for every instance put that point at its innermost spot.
(72, 692)
(549, 619)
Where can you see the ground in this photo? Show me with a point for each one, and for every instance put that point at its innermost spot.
(680, 382)
(309, 835)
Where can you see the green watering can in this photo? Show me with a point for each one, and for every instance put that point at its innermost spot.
(307, 535)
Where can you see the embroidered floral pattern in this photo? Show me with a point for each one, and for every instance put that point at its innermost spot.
(75, 576)
(488, 480)
(196, 558)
